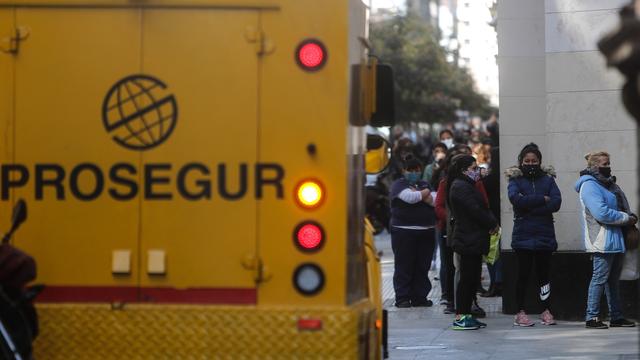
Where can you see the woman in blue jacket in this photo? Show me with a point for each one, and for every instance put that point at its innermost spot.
(605, 210)
(535, 197)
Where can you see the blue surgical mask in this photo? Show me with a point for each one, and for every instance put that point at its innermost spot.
(412, 177)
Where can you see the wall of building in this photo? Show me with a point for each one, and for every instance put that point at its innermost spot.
(555, 90)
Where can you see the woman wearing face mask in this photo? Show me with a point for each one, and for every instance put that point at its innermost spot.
(446, 137)
(472, 223)
(412, 235)
(449, 262)
(439, 153)
(535, 197)
(605, 210)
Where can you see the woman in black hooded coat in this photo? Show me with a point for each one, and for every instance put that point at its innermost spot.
(472, 223)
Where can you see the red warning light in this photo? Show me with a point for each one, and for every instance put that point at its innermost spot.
(311, 55)
(309, 236)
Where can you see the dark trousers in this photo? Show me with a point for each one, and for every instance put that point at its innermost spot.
(447, 270)
(526, 260)
(495, 272)
(412, 252)
(470, 267)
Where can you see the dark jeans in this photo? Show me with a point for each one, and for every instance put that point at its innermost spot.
(542, 260)
(495, 272)
(470, 267)
(412, 252)
(447, 270)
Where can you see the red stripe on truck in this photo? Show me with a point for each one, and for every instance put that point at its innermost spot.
(97, 294)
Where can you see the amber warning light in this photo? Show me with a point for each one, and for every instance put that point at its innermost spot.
(310, 194)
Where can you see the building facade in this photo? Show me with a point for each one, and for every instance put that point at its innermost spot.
(556, 91)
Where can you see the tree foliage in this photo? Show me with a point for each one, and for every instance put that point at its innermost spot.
(428, 88)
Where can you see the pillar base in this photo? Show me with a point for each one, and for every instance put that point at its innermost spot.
(570, 277)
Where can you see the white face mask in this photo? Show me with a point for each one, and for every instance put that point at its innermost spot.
(448, 143)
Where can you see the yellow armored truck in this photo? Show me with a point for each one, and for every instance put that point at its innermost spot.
(194, 172)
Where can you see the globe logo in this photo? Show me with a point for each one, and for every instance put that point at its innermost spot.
(139, 112)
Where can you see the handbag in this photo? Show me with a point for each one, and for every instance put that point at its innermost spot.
(630, 266)
(631, 237)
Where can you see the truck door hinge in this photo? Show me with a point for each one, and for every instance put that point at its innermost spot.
(254, 263)
(264, 45)
(11, 44)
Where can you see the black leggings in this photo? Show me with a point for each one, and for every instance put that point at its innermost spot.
(470, 267)
(542, 259)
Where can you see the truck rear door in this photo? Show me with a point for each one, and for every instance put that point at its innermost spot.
(137, 127)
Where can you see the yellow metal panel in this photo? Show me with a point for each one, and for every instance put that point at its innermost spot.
(298, 108)
(374, 279)
(63, 72)
(199, 332)
(6, 102)
(255, 4)
(205, 58)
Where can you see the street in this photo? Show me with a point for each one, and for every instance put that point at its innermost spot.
(425, 333)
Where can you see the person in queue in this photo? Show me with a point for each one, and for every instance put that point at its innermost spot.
(535, 197)
(446, 137)
(492, 185)
(412, 235)
(439, 153)
(447, 269)
(472, 222)
(450, 261)
(605, 211)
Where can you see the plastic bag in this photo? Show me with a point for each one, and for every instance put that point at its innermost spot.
(630, 266)
(494, 248)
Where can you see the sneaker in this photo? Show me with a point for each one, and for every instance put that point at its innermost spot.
(449, 310)
(595, 324)
(621, 323)
(480, 324)
(546, 318)
(403, 304)
(477, 311)
(522, 319)
(466, 322)
(422, 303)
(444, 302)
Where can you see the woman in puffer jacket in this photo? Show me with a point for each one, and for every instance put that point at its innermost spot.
(605, 211)
(535, 197)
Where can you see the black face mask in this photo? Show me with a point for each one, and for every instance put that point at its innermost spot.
(605, 171)
(530, 170)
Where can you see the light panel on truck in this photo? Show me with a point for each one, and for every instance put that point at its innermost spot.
(309, 236)
(311, 55)
(310, 194)
(308, 279)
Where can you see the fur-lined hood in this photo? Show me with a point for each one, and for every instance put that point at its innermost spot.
(515, 172)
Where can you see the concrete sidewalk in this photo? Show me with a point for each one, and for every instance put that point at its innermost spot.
(425, 333)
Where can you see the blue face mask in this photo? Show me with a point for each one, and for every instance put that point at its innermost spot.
(412, 177)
